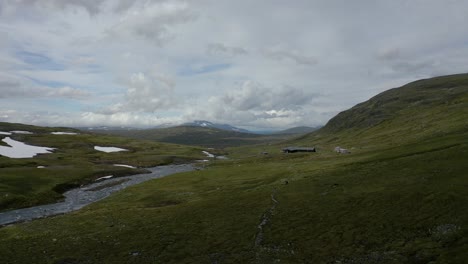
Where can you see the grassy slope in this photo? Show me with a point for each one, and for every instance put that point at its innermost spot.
(74, 162)
(198, 136)
(400, 197)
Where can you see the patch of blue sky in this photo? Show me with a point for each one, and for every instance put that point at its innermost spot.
(190, 70)
(39, 61)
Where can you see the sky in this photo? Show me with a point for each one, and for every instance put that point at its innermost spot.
(263, 64)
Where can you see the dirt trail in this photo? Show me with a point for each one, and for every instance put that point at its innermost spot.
(80, 197)
(265, 219)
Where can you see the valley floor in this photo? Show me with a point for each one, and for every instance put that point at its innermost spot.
(398, 205)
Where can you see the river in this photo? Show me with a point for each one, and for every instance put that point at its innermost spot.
(77, 198)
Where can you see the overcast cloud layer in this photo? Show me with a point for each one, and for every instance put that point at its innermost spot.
(254, 64)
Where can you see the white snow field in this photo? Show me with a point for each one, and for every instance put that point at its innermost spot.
(21, 132)
(109, 149)
(20, 150)
(64, 133)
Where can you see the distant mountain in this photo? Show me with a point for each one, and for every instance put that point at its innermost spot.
(201, 135)
(107, 128)
(208, 124)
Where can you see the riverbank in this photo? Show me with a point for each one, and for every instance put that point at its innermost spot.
(76, 199)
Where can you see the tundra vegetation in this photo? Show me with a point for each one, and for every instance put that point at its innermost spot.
(398, 197)
(75, 162)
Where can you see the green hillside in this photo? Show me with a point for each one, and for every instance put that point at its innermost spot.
(423, 109)
(197, 136)
(399, 197)
(74, 162)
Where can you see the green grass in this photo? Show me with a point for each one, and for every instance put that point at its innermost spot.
(405, 208)
(75, 162)
(399, 197)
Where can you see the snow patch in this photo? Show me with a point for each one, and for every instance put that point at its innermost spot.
(209, 155)
(104, 178)
(109, 149)
(21, 132)
(41, 167)
(125, 166)
(20, 150)
(64, 133)
(5, 133)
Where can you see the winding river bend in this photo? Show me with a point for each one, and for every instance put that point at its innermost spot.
(80, 197)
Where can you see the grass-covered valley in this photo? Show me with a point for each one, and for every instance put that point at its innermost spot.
(400, 196)
(43, 178)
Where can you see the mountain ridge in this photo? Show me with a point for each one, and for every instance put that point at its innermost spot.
(423, 93)
(398, 197)
(208, 124)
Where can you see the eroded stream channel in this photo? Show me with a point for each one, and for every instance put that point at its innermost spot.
(80, 197)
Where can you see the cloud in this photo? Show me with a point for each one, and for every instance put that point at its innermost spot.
(201, 69)
(148, 92)
(389, 54)
(153, 21)
(225, 61)
(286, 55)
(91, 6)
(84, 60)
(220, 49)
(256, 105)
(254, 96)
(66, 92)
(39, 61)
(15, 87)
(51, 118)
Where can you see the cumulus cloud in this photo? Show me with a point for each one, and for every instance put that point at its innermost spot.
(254, 96)
(224, 61)
(148, 92)
(53, 118)
(254, 104)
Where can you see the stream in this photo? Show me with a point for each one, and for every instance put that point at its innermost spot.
(77, 198)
